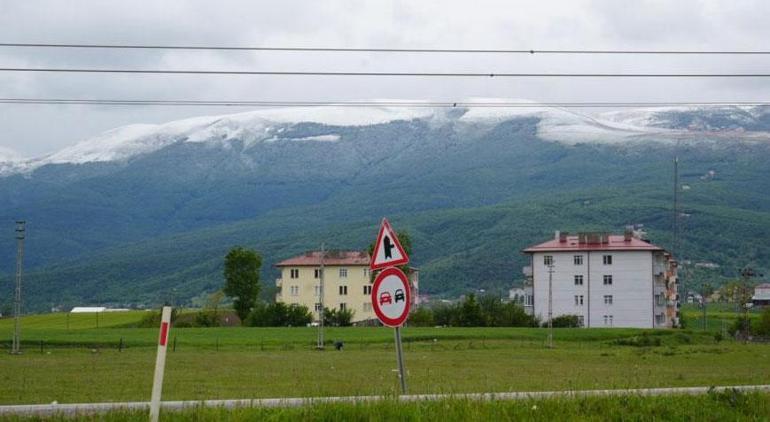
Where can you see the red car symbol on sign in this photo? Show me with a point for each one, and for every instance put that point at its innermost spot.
(385, 298)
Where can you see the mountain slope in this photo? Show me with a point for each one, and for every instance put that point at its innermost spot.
(144, 212)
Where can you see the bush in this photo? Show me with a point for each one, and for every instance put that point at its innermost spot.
(487, 311)
(422, 317)
(338, 317)
(565, 321)
(152, 319)
(279, 315)
(762, 327)
(645, 340)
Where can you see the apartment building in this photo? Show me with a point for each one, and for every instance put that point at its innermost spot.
(606, 280)
(346, 278)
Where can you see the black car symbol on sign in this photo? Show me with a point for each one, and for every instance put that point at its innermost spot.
(399, 296)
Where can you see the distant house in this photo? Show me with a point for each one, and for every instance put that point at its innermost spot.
(517, 295)
(761, 295)
(347, 282)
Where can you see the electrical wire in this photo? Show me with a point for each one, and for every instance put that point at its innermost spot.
(394, 74)
(377, 103)
(384, 50)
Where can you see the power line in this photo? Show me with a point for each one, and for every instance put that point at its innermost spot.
(384, 50)
(394, 74)
(436, 104)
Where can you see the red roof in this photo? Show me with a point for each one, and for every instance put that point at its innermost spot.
(313, 259)
(615, 243)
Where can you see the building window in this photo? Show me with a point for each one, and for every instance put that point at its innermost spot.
(581, 320)
(578, 300)
(660, 319)
(343, 290)
(294, 273)
(366, 272)
(608, 280)
(317, 307)
(343, 306)
(608, 320)
(608, 299)
(295, 290)
(343, 273)
(317, 291)
(367, 307)
(661, 299)
(607, 259)
(317, 273)
(548, 260)
(529, 300)
(367, 289)
(578, 259)
(578, 280)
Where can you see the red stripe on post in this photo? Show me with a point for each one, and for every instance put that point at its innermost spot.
(163, 333)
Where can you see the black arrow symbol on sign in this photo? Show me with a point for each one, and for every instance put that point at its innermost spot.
(388, 245)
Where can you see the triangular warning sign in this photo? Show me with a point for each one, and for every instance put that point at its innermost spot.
(387, 251)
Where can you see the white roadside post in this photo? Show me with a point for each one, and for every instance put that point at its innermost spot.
(391, 292)
(160, 363)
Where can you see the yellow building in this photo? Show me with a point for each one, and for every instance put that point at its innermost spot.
(347, 282)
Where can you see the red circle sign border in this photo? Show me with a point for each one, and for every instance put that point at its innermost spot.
(391, 322)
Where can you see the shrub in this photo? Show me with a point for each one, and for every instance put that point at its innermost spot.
(279, 315)
(762, 326)
(565, 321)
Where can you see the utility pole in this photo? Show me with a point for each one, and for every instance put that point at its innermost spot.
(320, 345)
(20, 230)
(747, 274)
(550, 306)
(675, 224)
(703, 304)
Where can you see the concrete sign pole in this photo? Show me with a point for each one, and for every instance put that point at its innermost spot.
(160, 363)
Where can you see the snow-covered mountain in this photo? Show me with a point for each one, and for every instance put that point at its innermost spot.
(273, 125)
(155, 207)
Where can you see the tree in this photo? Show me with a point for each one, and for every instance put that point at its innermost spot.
(422, 317)
(242, 279)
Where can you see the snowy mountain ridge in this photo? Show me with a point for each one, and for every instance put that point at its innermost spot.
(668, 124)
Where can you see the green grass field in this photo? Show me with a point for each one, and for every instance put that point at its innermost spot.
(717, 406)
(84, 364)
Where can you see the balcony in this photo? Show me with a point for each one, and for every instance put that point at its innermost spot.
(527, 271)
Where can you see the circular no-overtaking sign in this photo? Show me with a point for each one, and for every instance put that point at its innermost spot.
(391, 297)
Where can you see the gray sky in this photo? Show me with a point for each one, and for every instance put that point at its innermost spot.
(33, 130)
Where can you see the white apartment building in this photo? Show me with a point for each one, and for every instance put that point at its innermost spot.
(606, 280)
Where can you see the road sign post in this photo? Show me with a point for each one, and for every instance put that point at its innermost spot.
(160, 363)
(391, 292)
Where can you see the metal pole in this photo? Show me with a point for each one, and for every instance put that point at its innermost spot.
(400, 357)
(550, 306)
(20, 230)
(320, 344)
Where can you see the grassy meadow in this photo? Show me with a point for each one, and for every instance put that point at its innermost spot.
(83, 363)
(721, 406)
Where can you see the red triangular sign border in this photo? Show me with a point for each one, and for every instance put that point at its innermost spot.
(386, 225)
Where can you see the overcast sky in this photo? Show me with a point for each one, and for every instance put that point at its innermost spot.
(34, 130)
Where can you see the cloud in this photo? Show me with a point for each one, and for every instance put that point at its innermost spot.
(35, 130)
